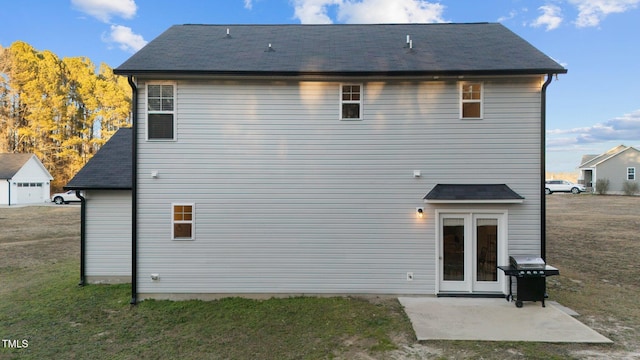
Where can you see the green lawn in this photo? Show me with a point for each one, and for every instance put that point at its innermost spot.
(40, 302)
(64, 321)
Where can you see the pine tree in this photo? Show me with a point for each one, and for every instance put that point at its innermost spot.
(60, 110)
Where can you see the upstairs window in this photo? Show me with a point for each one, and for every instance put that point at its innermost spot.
(471, 100)
(351, 102)
(631, 173)
(160, 112)
(183, 222)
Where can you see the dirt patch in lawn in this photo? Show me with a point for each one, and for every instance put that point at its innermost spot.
(37, 235)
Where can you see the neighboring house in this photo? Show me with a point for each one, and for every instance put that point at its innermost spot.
(104, 186)
(23, 180)
(334, 159)
(618, 165)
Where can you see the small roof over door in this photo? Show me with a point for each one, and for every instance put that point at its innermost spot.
(473, 193)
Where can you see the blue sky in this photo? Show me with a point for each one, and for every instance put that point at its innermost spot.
(593, 108)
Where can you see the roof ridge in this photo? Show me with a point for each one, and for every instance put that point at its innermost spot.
(328, 25)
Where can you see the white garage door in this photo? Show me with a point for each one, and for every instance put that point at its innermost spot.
(29, 193)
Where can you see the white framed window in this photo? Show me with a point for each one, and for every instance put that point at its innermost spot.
(183, 221)
(631, 173)
(351, 101)
(161, 111)
(471, 96)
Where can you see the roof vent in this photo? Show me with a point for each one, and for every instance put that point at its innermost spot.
(409, 44)
(269, 48)
(228, 36)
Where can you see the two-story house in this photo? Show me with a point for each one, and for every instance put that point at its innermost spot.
(335, 159)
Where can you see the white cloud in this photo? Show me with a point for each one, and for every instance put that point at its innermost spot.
(103, 10)
(551, 17)
(385, 11)
(623, 128)
(313, 11)
(125, 38)
(591, 12)
(248, 4)
(512, 14)
(368, 11)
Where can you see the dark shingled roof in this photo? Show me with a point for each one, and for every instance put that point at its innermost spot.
(110, 168)
(438, 49)
(10, 164)
(472, 193)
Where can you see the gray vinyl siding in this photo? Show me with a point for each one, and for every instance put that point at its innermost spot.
(615, 169)
(289, 199)
(108, 235)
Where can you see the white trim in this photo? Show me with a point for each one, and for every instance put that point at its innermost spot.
(461, 101)
(583, 165)
(497, 201)
(503, 246)
(174, 112)
(192, 222)
(360, 102)
(634, 173)
(40, 165)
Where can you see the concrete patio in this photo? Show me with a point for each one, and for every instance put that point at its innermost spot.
(495, 319)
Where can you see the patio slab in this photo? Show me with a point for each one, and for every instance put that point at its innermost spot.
(494, 319)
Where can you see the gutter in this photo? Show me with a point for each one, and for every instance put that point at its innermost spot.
(543, 168)
(83, 218)
(9, 187)
(134, 191)
(327, 73)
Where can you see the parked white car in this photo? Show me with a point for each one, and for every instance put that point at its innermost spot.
(552, 186)
(65, 197)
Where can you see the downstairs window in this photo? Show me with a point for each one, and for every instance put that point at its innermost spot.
(183, 222)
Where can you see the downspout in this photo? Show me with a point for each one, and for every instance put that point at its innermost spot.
(83, 221)
(9, 187)
(543, 168)
(134, 192)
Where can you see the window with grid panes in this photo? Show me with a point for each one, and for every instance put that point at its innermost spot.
(183, 222)
(471, 100)
(160, 112)
(351, 102)
(631, 173)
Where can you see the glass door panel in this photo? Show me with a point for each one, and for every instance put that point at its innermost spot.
(486, 249)
(453, 241)
(472, 245)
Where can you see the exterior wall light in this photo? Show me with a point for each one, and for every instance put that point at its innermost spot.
(419, 212)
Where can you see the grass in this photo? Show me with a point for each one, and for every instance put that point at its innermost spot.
(62, 320)
(592, 240)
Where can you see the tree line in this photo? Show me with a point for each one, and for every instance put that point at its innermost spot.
(61, 110)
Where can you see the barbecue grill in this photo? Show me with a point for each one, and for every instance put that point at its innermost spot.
(531, 273)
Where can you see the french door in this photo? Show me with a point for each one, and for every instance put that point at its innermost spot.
(471, 246)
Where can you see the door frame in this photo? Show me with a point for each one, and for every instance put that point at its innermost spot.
(470, 215)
